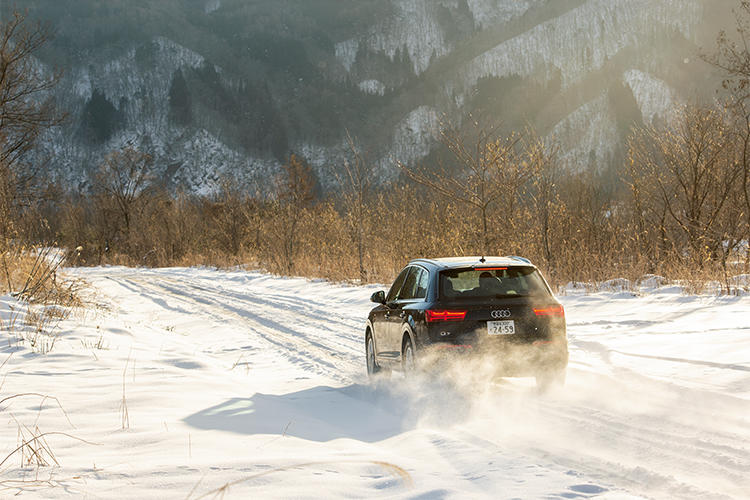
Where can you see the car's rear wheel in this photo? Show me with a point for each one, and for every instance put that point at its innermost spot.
(373, 368)
(408, 358)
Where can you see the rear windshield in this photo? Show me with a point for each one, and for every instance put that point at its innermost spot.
(500, 282)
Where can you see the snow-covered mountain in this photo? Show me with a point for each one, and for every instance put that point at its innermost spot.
(228, 87)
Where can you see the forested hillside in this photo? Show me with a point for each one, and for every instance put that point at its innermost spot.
(215, 88)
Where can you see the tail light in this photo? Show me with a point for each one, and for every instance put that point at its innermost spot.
(556, 311)
(433, 316)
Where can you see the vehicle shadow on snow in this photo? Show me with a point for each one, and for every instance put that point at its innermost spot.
(369, 413)
(362, 412)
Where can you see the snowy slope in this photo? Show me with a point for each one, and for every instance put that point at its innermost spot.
(257, 382)
(252, 82)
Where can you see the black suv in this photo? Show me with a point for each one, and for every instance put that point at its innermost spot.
(499, 306)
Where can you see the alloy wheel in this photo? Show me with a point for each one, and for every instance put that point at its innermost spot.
(409, 362)
(370, 356)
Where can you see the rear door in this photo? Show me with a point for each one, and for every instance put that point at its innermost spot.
(383, 323)
(409, 293)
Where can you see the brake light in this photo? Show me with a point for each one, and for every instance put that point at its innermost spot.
(433, 316)
(557, 311)
(491, 268)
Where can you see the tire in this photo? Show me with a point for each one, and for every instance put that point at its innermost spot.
(373, 369)
(408, 358)
(550, 379)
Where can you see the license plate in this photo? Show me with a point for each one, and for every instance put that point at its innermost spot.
(505, 327)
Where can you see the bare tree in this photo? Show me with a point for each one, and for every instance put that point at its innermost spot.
(649, 212)
(742, 139)
(733, 54)
(357, 182)
(123, 183)
(26, 109)
(490, 170)
(733, 58)
(231, 217)
(544, 194)
(7, 196)
(294, 193)
(689, 170)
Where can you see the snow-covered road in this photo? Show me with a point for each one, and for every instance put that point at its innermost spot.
(190, 380)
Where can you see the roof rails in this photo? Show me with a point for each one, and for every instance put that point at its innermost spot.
(522, 259)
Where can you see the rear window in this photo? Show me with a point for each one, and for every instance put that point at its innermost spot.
(480, 283)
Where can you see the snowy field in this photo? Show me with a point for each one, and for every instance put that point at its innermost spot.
(196, 383)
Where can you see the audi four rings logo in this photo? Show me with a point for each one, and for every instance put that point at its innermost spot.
(501, 313)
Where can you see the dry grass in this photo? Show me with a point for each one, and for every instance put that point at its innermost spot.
(31, 275)
(124, 414)
(33, 448)
(391, 469)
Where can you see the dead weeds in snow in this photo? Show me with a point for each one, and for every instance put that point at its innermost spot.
(31, 276)
(124, 414)
(32, 447)
(392, 469)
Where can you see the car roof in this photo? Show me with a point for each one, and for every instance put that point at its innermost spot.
(473, 261)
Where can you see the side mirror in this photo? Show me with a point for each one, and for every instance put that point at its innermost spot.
(378, 297)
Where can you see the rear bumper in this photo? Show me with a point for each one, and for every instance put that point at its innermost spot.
(512, 360)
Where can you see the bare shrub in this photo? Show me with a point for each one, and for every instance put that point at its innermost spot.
(684, 178)
(123, 193)
(356, 184)
(286, 213)
(231, 218)
(489, 171)
(732, 56)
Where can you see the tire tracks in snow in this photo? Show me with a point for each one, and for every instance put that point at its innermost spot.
(267, 320)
